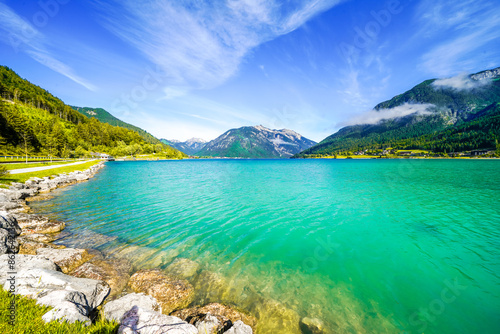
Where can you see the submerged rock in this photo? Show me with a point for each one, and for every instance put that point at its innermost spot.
(182, 268)
(114, 310)
(277, 317)
(68, 258)
(138, 321)
(172, 294)
(115, 272)
(209, 287)
(312, 326)
(226, 315)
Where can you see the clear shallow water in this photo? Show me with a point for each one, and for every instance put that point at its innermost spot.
(372, 246)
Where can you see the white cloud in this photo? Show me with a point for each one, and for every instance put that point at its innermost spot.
(470, 29)
(22, 36)
(46, 59)
(460, 82)
(173, 92)
(375, 116)
(201, 44)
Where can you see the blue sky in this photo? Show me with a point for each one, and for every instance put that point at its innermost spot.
(183, 69)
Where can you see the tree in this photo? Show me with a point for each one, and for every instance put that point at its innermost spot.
(26, 138)
(51, 143)
(80, 152)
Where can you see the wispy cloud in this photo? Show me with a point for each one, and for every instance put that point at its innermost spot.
(460, 82)
(23, 37)
(375, 116)
(201, 44)
(470, 27)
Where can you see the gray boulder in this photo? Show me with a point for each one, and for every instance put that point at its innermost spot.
(115, 309)
(4, 241)
(39, 224)
(10, 224)
(73, 298)
(9, 205)
(138, 321)
(70, 306)
(23, 262)
(38, 283)
(239, 328)
(9, 230)
(67, 258)
(40, 237)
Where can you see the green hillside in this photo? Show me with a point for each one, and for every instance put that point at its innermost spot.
(33, 121)
(458, 120)
(105, 117)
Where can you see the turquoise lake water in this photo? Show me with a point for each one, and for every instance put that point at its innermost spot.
(366, 246)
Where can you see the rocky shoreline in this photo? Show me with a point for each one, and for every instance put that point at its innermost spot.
(80, 283)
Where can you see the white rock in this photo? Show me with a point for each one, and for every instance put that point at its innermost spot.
(114, 310)
(66, 313)
(67, 258)
(137, 321)
(70, 306)
(209, 325)
(239, 328)
(38, 283)
(23, 262)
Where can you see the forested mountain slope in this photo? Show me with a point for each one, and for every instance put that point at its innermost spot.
(455, 114)
(34, 121)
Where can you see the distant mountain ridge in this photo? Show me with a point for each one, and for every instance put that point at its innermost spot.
(190, 146)
(256, 142)
(461, 113)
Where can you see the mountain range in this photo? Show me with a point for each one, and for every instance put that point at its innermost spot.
(190, 146)
(256, 142)
(439, 115)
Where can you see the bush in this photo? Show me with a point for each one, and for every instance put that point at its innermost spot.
(3, 170)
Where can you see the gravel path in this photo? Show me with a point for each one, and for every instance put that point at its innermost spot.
(37, 169)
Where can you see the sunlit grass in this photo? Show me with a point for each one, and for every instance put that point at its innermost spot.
(28, 319)
(23, 177)
(21, 165)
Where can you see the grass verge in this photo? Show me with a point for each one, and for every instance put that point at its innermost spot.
(7, 179)
(28, 319)
(37, 164)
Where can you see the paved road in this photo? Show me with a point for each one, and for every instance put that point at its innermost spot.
(37, 169)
